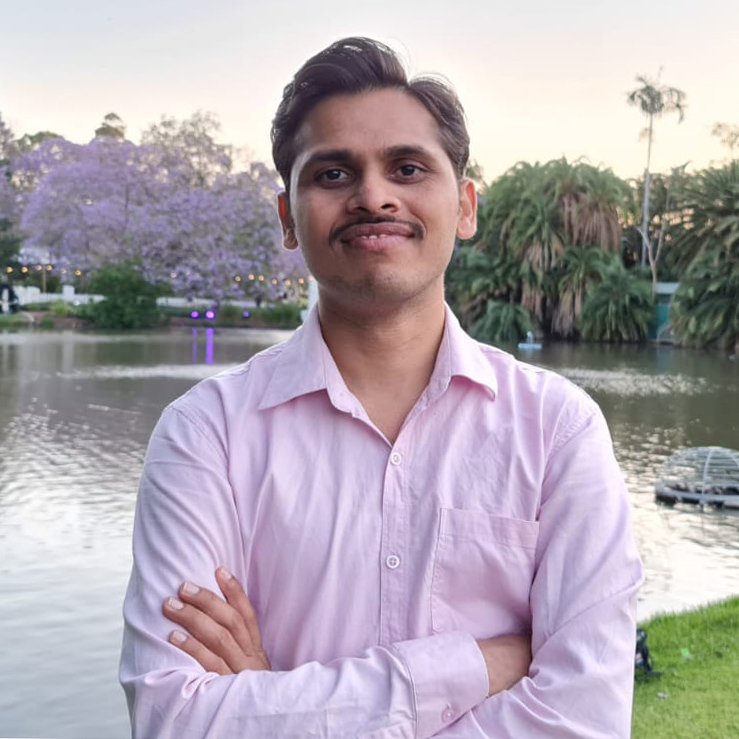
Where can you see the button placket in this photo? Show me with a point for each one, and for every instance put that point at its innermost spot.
(394, 597)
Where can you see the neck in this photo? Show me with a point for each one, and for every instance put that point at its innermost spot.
(385, 357)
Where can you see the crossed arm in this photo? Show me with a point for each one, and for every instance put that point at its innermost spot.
(222, 634)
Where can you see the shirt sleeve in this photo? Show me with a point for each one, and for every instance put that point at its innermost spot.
(583, 603)
(186, 525)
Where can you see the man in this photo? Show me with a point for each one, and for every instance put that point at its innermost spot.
(433, 539)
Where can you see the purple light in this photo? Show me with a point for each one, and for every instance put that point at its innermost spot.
(245, 314)
(195, 314)
(210, 314)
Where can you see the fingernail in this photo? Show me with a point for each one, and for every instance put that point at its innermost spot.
(176, 604)
(178, 637)
(190, 588)
(225, 574)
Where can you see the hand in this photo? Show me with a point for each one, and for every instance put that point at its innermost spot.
(223, 634)
(507, 658)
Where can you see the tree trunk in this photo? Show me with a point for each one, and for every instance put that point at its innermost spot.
(645, 209)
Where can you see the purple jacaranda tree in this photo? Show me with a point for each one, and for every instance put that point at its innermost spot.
(172, 205)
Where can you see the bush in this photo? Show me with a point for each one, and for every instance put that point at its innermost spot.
(620, 308)
(11, 321)
(281, 315)
(129, 300)
(705, 310)
(229, 315)
(502, 322)
(62, 309)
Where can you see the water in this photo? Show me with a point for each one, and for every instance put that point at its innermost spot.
(76, 411)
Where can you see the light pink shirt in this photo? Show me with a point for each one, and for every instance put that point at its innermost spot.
(373, 567)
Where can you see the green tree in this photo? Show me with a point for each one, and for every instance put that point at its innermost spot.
(579, 270)
(7, 143)
(710, 207)
(30, 141)
(129, 300)
(112, 126)
(666, 216)
(10, 245)
(501, 322)
(704, 310)
(531, 215)
(619, 308)
(654, 100)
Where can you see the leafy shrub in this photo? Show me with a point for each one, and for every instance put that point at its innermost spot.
(617, 309)
(129, 300)
(501, 322)
(229, 315)
(62, 309)
(705, 310)
(280, 315)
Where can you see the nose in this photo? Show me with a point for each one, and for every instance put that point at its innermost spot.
(373, 193)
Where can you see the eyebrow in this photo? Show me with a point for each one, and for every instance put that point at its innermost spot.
(345, 155)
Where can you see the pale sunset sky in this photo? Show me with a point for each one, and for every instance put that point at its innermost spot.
(539, 80)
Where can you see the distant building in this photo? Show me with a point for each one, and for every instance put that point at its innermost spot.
(660, 331)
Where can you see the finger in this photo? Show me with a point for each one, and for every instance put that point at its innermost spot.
(220, 611)
(199, 652)
(214, 637)
(237, 598)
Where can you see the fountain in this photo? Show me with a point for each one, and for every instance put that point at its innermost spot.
(529, 344)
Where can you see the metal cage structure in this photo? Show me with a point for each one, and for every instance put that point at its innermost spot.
(706, 475)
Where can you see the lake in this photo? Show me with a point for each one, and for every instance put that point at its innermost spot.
(76, 411)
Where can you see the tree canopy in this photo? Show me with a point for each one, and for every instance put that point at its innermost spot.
(174, 205)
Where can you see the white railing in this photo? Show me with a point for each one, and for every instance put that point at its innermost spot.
(31, 295)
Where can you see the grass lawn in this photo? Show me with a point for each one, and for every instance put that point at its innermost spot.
(12, 321)
(697, 694)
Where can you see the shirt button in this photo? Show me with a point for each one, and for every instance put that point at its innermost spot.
(395, 458)
(447, 714)
(393, 562)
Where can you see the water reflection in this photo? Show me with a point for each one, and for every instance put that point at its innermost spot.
(76, 412)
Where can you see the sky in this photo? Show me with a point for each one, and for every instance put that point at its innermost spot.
(538, 80)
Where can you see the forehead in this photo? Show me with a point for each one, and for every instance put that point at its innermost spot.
(366, 123)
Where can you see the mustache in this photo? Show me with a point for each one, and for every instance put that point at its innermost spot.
(339, 231)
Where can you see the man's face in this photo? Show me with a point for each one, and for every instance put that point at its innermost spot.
(374, 200)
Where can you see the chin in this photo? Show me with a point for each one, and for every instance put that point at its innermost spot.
(376, 293)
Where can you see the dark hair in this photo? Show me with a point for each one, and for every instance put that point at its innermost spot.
(354, 65)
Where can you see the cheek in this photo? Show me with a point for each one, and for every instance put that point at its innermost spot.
(314, 217)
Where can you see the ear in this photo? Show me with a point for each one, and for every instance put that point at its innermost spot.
(289, 239)
(467, 220)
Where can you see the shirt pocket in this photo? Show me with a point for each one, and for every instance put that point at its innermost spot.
(483, 569)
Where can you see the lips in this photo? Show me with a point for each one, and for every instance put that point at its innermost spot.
(376, 235)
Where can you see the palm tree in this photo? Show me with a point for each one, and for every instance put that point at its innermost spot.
(619, 308)
(710, 203)
(705, 310)
(501, 322)
(654, 100)
(580, 269)
(535, 211)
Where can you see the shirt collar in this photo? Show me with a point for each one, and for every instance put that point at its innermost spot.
(305, 365)
(461, 356)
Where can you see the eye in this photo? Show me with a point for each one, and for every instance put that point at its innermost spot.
(408, 171)
(332, 175)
